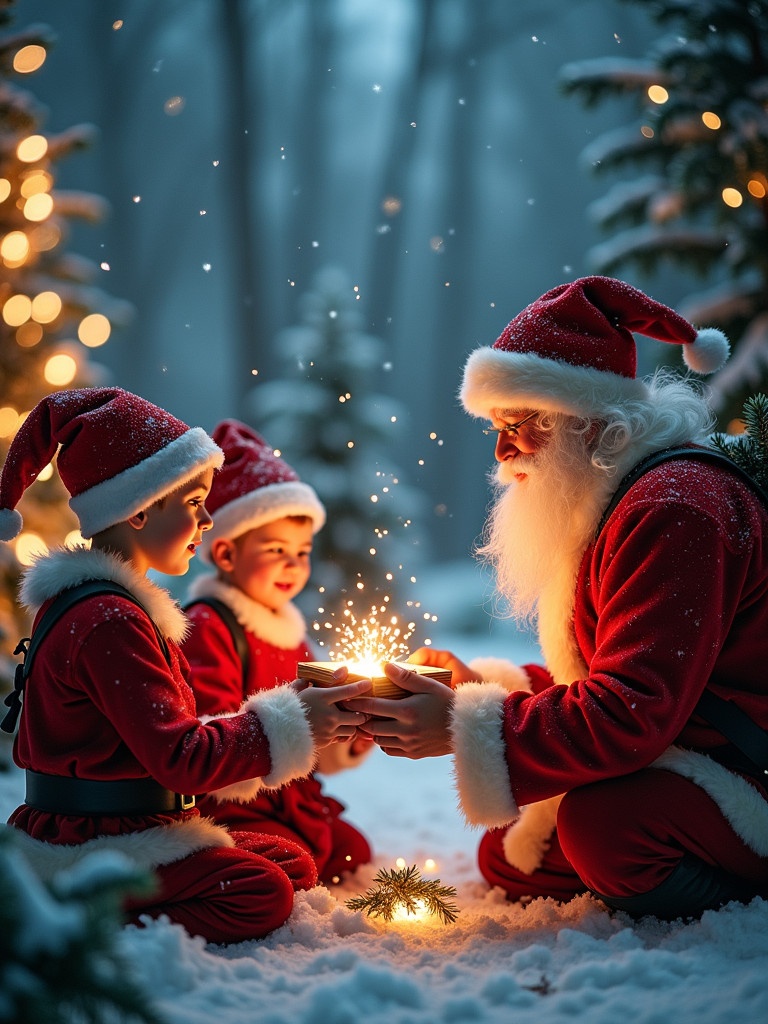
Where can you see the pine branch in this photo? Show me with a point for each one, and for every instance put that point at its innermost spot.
(750, 450)
(406, 888)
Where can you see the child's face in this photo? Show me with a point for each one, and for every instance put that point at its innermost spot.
(271, 563)
(174, 527)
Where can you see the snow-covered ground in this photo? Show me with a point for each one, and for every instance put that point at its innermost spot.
(544, 963)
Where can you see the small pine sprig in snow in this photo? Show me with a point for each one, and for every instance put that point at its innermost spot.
(406, 888)
(750, 450)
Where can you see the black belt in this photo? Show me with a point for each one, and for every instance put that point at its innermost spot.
(61, 794)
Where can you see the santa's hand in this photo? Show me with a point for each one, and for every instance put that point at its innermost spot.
(415, 726)
(460, 673)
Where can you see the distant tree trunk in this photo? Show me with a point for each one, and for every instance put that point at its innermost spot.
(244, 220)
(385, 262)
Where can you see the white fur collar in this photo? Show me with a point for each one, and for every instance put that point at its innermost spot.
(62, 568)
(285, 628)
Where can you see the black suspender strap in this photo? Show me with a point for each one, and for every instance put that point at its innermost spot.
(60, 606)
(234, 626)
(736, 726)
(710, 455)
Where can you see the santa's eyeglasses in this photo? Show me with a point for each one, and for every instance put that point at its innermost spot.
(510, 428)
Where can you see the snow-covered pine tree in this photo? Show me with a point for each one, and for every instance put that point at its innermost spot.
(691, 170)
(59, 954)
(51, 315)
(750, 449)
(334, 425)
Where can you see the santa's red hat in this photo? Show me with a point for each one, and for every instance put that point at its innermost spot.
(119, 454)
(573, 351)
(253, 487)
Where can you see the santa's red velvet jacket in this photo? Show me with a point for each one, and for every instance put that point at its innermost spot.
(103, 703)
(671, 598)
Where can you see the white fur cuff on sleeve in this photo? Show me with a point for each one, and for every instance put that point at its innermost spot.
(291, 745)
(480, 764)
(503, 672)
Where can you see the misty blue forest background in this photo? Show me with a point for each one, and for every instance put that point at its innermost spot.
(422, 149)
(307, 214)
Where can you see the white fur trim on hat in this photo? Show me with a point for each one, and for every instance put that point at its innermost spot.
(263, 505)
(497, 379)
(136, 488)
(708, 353)
(480, 765)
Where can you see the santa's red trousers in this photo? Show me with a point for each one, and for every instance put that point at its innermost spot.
(230, 894)
(624, 838)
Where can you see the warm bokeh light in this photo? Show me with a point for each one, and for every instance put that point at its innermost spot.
(757, 188)
(9, 421)
(732, 197)
(94, 330)
(17, 310)
(33, 148)
(14, 248)
(60, 370)
(39, 206)
(75, 539)
(44, 237)
(391, 205)
(35, 182)
(29, 546)
(46, 307)
(5, 189)
(29, 58)
(657, 94)
(711, 120)
(647, 132)
(29, 334)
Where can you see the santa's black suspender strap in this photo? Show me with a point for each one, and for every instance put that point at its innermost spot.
(60, 606)
(656, 458)
(729, 720)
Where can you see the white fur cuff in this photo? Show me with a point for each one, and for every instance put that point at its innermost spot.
(480, 765)
(291, 745)
(503, 672)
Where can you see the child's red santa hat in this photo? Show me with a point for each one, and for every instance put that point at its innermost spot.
(573, 351)
(118, 454)
(253, 487)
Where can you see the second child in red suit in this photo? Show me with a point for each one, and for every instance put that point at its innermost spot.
(260, 547)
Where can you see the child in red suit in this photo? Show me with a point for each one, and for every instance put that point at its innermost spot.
(260, 547)
(109, 734)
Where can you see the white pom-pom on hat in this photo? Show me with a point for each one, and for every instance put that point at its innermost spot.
(708, 353)
(10, 523)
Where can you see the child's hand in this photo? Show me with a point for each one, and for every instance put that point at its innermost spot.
(460, 673)
(328, 720)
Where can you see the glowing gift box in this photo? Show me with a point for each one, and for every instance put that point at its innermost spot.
(321, 673)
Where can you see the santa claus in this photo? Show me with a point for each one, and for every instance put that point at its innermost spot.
(644, 564)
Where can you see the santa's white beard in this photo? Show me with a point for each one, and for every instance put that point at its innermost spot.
(540, 526)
